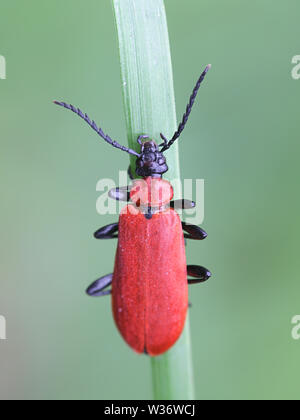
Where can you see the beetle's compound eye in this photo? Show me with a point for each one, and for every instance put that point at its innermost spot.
(151, 192)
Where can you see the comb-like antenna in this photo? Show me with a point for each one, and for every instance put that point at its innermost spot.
(99, 131)
(187, 112)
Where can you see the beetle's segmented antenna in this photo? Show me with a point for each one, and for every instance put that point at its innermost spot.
(98, 130)
(187, 112)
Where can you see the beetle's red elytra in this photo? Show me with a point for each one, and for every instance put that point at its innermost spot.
(150, 279)
(150, 295)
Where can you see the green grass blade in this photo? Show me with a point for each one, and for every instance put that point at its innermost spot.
(149, 103)
(172, 372)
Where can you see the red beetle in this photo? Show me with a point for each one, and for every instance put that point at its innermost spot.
(149, 283)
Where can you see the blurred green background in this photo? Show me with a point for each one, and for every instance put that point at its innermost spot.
(242, 138)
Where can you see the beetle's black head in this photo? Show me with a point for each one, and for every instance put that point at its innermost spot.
(151, 161)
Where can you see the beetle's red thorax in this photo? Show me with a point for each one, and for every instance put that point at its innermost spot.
(152, 192)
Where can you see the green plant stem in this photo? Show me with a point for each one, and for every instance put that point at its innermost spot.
(149, 103)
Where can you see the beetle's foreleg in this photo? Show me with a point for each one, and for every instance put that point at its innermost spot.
(193, 231)
(201, 274)
(120, 193)
(107, 232)
(96, 289)
(130, 174)
(182, 204)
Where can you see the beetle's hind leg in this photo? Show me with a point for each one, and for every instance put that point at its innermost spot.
(96, 289)
(107, 232)
(201, 274)
(193, 231)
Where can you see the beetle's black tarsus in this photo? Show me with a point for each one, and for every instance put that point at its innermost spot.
(187, 112)
(120, 193)
(193, 232)
(107, 232)
(201, 274)
(130, 174)
(182, 204)
(96, 289)
(98, 130)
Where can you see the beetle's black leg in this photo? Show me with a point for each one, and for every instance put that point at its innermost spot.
(193, 231)
(120, 193)
(182, 204)
(96, 289)
(201, 274)
(130, 173)
(107, 232)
